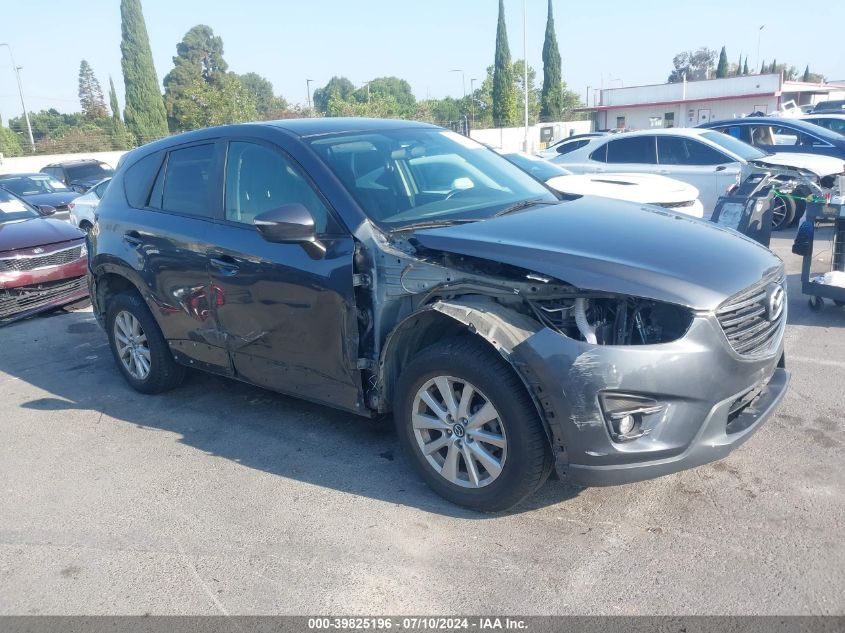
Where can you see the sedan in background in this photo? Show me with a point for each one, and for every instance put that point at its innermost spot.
(79, 175)
(640, 188)
(40, 189)
(43, 261)
(568, 144)
(782, 135)
(710, 161)
(833, 122)
(82, 209)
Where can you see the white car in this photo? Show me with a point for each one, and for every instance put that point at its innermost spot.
(568, 144)
(709, 160)
(641, 188)
(82, 208)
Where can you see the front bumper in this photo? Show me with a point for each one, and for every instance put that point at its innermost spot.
(699, 380)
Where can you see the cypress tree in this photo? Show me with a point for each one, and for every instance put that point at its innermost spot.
(551, 99)
(504, 95)
(145, 116)
(774, 67)
(739, 66)
(763, 68)
(806, 76)
(118, 129)
(722, 68)
(745, 70)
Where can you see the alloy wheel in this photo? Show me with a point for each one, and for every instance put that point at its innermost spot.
(132, 346)
(459, 432)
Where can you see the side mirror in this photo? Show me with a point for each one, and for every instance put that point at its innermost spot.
(290, 224)
(46, 209)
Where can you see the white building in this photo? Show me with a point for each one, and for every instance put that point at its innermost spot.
(687, 104)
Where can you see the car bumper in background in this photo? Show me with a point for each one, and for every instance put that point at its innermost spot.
(25, 293)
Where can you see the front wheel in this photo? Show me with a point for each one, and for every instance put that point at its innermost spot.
(470, 427)
(783, 212)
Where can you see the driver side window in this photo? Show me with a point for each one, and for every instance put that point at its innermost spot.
(260, 179)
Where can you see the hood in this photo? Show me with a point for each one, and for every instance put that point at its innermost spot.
(642, 188)
(615, 246)
(33, 232)
(57, 199)
(820, 165)
(85, 183)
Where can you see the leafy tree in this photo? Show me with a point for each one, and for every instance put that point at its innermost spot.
(722, 68)
(118, 129)
(203, 103)
(199, 57)
(694, 64)
(145, 116)
(90, 93)
(534, 94)
(398, 89)
(505, 106)
(261, 90)
(9, 143)
(745, 70)
(337, 86)
(551, 101)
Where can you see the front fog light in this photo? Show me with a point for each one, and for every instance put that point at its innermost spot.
(627, 416)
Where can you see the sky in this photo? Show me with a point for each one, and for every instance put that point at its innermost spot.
(609, 43)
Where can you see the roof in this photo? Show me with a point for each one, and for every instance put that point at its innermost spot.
(335, 125)
(77, 161)
(24, 174)
(787, 122)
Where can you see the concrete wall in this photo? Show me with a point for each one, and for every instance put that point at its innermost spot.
(22, 164)
(511, 139)
(709, 89)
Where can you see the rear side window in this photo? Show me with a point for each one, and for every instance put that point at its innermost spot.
(634, 149)
(600, 154)
(139, 178)
(188, 182)
(675, 150)
(571, 146)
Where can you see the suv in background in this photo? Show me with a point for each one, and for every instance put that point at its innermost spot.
(831, 107)
(79, 175)
(381, 266)
(780, 134)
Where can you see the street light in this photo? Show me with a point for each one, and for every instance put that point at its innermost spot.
(463, 79)
(20, 92)
(759, 35)
(525, 66)
(308, 95)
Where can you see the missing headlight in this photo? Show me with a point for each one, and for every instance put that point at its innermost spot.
(614, 320)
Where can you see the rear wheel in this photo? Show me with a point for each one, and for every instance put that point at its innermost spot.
(470, 427)
(138, 347)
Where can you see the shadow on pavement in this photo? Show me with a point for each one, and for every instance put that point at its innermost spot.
(67, 356)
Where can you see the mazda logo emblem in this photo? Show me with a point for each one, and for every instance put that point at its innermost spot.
(37, 251)
(775, 303)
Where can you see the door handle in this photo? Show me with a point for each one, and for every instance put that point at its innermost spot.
(721, 168)
(225, 265)
(133, 238)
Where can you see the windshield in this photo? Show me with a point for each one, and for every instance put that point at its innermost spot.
(408, 176)
(89, 171)
(740, 148)
(31, 185)
(13, 208)
(537, 167)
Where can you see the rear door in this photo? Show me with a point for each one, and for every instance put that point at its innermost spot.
(288, 321)
(168, 237)
(696, 163)
(630, 154)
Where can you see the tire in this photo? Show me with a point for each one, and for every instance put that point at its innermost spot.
(87, 227)
(815, 303)
(514, 437)
(162, 372)
(783, 212)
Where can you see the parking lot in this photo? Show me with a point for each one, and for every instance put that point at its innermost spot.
(223, 498)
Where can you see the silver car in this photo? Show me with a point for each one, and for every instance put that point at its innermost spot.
(709, 160)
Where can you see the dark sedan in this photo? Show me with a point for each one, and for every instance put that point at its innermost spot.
(41, 189)
(42, 260)
(782, 135)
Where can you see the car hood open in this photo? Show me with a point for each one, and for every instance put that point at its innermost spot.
(615, 246)
(23, 234)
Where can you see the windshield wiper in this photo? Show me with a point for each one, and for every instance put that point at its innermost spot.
(433, 224)
(519, 206)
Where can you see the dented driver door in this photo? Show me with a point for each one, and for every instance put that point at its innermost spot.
(287, 320)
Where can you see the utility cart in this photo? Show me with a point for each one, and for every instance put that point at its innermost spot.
(817, 285)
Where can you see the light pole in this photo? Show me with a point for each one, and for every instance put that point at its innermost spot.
(20, 92)
(463, 79)
(308, 95)
(525, 66)
(759, 35)
(472, 100)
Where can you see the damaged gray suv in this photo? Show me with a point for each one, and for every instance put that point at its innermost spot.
(387, 266)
